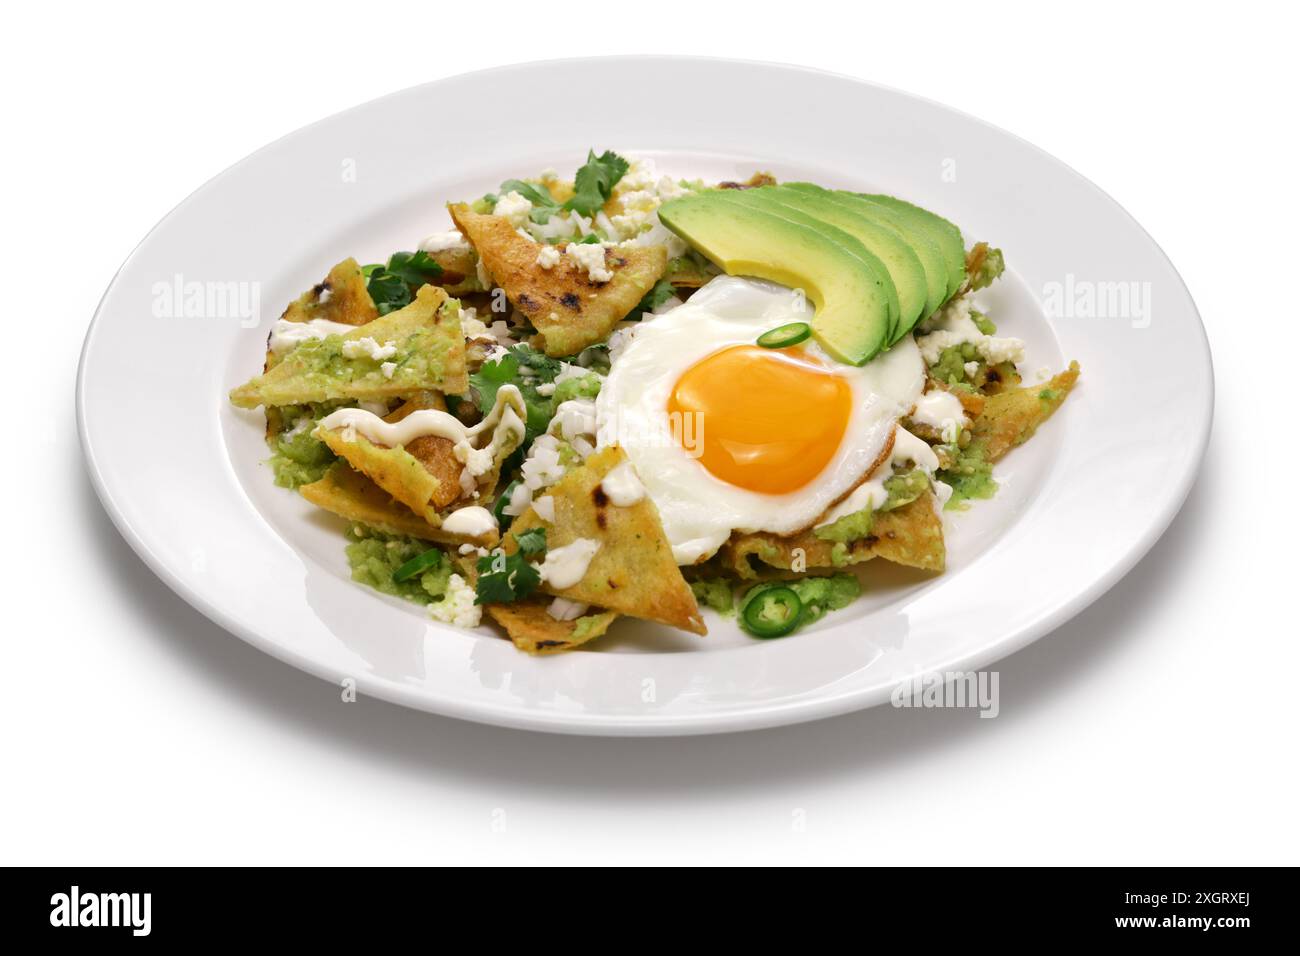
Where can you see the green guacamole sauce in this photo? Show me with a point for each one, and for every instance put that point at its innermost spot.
(374, 557)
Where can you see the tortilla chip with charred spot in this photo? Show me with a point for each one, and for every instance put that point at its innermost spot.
(911, 535)
(562, 303)
(430, 354)
(1011, 417)
(534, 631)
(633, 572)
(341, 296)
(351, 495)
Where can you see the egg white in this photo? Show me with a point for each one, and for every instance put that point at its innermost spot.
(699, 511)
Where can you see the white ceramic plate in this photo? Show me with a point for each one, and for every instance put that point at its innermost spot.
(180, 470)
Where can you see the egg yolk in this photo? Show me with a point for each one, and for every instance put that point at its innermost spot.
(761, 419)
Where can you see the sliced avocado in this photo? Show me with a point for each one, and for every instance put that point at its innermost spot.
(761, 198)
(937, 228)
(926, 249)
(897, 255)
(853, 300)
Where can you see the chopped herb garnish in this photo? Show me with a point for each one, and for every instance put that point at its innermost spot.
(504, 578)
(544, 204)
(510, 369)
(594, 182)
(393, 286)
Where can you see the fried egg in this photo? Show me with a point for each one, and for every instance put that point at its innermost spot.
(727, 436)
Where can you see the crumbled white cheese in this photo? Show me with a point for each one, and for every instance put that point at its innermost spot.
(590, 257)
(954, 326)
(388, 368)
(477, 461)
(457, 606)
(548, 257)
(669, 188)
(356, 348)
(641, 174)
(513, 206)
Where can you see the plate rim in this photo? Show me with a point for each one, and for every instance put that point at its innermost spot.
(758, 717)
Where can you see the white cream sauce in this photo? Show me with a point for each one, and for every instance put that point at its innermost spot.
(565, 566)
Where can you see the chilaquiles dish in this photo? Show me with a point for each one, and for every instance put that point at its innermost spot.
(622, 394)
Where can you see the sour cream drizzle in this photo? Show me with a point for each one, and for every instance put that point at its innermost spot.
(473, 522)
(942, 411)
(565, 566)
(504, 421)
(286, 335)
(621, 485)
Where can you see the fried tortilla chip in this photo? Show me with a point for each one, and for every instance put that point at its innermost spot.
(534, 631)
(398, 472)
(911, 535)
(1011, 417)
(427, 352)
(425, 474)
(633, 572)
(340, 297)
(529, 623)
(562, 303)
(353, 496)
(459, 271)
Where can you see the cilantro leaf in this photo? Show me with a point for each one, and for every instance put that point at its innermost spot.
(487, 381)
(388, 291)
(542, 365)
(392, 286)
(503, 578)
(544, 204)
(536, 194)
(595, 181)
(525, 368)
(414, 268)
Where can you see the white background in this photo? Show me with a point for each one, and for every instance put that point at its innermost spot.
(1157, 727)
